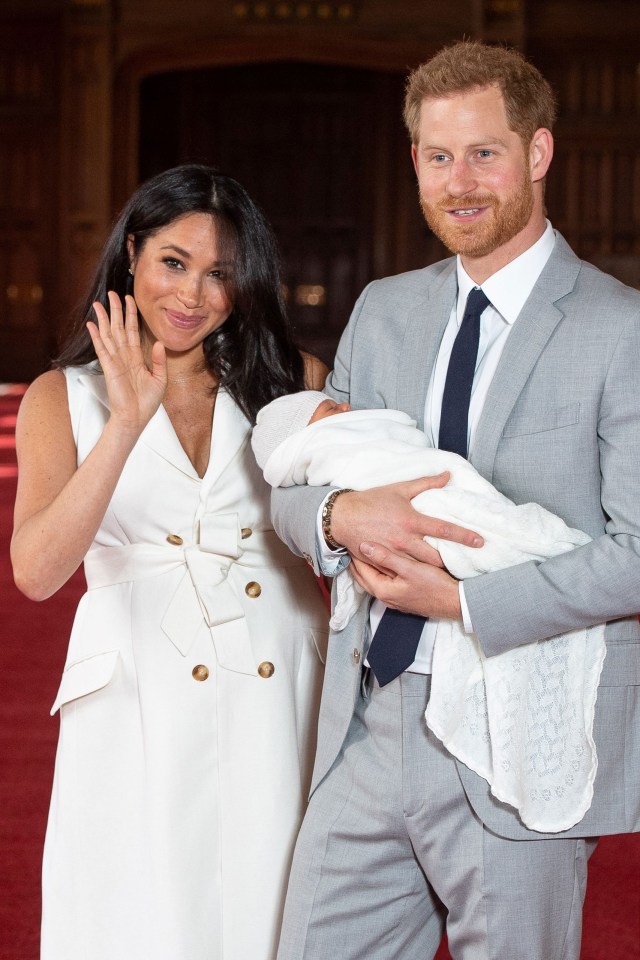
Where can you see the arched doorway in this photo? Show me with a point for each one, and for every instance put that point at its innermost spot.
(323, 151)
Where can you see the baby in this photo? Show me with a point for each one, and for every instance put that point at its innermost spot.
(479, 707)
(309, 438)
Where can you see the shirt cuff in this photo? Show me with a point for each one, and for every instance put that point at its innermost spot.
(466, 616)
(331, 561)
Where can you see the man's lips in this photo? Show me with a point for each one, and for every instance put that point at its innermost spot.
(466, 212)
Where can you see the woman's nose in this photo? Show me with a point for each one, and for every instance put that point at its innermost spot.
(189, 291)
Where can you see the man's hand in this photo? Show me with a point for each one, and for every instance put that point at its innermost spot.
(406, 584)
(384, 516)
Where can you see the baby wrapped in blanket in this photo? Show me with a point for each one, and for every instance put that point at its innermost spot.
(523, 719)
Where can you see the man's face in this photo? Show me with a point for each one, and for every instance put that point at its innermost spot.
(475, 176)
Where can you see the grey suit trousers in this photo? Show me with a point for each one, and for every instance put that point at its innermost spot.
(390, 847)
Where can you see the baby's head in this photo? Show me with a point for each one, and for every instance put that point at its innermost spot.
(287, 415)
(328, 408)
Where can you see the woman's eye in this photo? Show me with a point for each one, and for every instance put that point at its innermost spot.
(172, 262)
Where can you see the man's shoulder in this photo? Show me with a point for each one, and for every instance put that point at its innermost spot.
(417, 282)
(585, 281)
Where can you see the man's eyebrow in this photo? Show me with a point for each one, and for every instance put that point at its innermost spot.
(485, 142)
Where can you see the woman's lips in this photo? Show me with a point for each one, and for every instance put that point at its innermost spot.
(184, 321)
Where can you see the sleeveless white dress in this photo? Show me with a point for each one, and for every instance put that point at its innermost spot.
(187, 708)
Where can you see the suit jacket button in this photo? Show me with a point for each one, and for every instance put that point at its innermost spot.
(266, 669)
(308, 559)
(200, 672)
(356, 655)
(253, 589)
(245, 532)
(175, 540)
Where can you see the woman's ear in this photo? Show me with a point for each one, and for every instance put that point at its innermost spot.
(131, 250)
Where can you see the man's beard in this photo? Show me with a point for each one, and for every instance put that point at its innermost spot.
(480, 238)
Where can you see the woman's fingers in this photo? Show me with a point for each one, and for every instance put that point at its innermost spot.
(159, 362)
(132, 326)
(117, 321)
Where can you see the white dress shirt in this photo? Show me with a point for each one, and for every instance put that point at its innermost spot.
(507, 290)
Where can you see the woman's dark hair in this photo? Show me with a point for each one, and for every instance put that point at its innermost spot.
(252, 354)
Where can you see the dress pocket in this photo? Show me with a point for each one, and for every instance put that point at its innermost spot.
(85, 676)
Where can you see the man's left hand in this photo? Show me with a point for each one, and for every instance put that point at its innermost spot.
(406, 584)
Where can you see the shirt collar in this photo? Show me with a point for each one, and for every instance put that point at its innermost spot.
(509, 288)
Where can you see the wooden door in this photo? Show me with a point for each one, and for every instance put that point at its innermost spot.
(324, 153)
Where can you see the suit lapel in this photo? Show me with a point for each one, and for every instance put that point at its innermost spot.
(530, 334)
(426, 323)
(231, 431)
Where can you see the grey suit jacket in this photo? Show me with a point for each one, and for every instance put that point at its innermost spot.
(560, 426)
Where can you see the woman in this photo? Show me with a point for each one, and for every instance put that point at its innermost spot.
(191, 686)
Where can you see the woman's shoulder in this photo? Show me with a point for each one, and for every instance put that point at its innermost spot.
(51, 394)
(315, 371)
(44, 408)
(48, 388)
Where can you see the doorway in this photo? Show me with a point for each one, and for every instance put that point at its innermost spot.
(323, 151)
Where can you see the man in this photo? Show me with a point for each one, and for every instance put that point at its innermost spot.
(399, 834)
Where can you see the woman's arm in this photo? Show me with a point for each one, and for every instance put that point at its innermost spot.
(59, 506)
(315, 372)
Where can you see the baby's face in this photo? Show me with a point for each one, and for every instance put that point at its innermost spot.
(328, 408)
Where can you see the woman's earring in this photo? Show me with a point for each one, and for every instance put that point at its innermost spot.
(130, 282)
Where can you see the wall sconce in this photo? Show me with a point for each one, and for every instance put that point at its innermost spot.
(21, 294)
(306, 11)
(310, 295)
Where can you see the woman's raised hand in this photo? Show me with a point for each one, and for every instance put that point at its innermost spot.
(135, 391)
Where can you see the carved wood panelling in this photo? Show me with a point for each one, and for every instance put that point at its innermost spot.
(28, 178)
(85, 197)
(594, 182)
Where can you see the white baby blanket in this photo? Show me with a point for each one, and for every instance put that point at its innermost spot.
(523, 720)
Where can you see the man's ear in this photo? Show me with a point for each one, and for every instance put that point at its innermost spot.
(540, 153)
(414, 157)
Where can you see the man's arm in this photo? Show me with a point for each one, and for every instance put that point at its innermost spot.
(384, 513)
(595, 583)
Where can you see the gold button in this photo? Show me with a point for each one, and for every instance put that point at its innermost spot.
(356, 655)
(253, 589)
(174, 539)
(266, 669)
(246, 532)
(200, 672)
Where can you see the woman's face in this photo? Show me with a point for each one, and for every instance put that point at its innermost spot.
(179, 283)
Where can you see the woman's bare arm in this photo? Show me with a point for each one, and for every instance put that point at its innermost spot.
(315, 372)
(59, 506)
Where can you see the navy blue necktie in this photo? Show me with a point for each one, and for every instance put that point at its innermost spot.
(454, 418)
(396, 640)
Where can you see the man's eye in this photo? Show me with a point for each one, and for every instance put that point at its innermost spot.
(483, 154)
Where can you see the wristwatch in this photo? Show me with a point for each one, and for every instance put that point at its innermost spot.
(325, 518)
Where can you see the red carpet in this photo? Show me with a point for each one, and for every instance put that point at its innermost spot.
(33, 642)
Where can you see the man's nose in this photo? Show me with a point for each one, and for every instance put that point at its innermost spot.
(462, 178)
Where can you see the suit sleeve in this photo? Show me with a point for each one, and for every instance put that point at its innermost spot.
(598, 582)
(294, 509)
